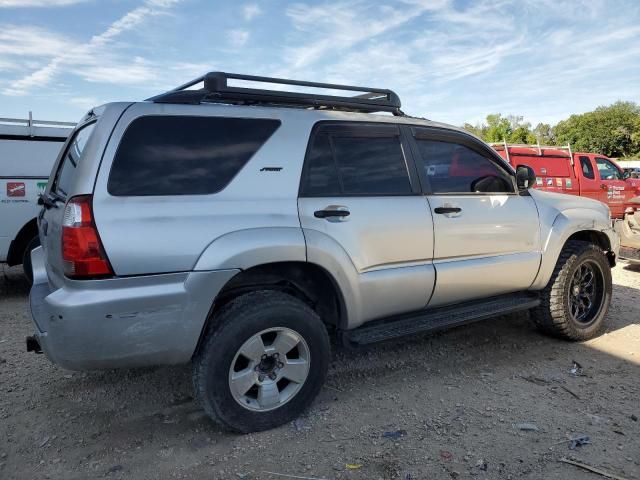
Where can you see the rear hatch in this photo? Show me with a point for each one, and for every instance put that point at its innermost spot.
(73, 174)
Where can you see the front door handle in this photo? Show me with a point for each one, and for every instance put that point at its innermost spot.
(604, 187)
(442, 210)
(331, 213)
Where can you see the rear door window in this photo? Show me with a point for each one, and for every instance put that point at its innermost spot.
(587, 168)
(358, 160)
(177, 155)
(67, 169)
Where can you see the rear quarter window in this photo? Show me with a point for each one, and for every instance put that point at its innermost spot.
(69, 163)
(161, 155)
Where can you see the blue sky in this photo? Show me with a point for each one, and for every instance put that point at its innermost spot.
(452, 61)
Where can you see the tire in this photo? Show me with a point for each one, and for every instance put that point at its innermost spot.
(563, 311)
(279, 320)
(26, 258)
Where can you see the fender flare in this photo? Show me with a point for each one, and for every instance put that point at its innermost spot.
(566, 223)
(243, 249)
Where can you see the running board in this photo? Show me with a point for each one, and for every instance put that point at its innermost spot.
(439, 318)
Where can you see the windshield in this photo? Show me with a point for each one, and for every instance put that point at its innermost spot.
(67, 168)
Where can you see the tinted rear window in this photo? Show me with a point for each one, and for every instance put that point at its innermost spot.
(185, 155)
(67, 168)
(352, 159)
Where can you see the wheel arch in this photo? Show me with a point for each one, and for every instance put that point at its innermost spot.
(17, 246)
(577, 224)
(309, 282)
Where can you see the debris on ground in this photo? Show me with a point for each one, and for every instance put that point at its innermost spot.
(297, 477)
(299, 425)
(634, 418)
(536, 380)
(569, 391)
(576, 369)
(115, 468)
(395, 434)
(446, 455)
(579, 441)
(482, 465)
(527, 427)
(589, 468)
(354, 466)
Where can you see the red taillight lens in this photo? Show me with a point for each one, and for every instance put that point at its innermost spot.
(82, 252)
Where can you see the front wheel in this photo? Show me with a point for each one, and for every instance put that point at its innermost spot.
(576, 299)
(262, 363)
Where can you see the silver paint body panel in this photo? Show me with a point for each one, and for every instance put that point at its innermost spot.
(172, 255)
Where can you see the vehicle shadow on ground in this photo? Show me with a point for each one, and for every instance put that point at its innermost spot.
(13, 283)
(497, 345)
(632, 267)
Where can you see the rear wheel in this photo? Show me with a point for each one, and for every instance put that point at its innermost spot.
(262, 363)
(576, 299)
(26, 258)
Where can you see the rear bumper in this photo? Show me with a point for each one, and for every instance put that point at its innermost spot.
(123, 322)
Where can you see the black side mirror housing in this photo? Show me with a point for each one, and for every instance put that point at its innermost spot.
(525, 177)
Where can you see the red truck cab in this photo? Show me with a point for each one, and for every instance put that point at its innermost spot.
(560, 170)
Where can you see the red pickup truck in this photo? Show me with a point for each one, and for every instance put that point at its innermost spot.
(558, 169)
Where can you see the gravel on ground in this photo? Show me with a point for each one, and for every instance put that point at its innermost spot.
(490, 400)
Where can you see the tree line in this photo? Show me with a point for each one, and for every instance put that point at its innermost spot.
(612, 130)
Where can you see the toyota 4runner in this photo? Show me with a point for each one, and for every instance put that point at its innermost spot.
(236, 228)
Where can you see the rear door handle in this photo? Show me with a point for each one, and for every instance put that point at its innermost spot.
(442, 210)
(331, 213)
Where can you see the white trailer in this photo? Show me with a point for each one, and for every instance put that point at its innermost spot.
(28, 150)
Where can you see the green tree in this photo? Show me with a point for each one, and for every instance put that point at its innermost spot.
(545, 134)
(498, 128)
(478, 129)
(612, 130)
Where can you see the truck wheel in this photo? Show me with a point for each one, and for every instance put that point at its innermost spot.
(26, 258)
(262, 362)
(576, 299)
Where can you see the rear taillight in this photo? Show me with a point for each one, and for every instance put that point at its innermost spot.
(82, 252)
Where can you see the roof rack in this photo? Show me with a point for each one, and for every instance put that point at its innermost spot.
(217, 90)
(537, 146)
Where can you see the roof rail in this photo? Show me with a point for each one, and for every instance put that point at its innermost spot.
(537, 147)
(28, 127)
(217, 90)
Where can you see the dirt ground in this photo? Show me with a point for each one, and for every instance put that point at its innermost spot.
(490, 400)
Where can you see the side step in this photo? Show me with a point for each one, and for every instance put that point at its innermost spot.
(439, 318)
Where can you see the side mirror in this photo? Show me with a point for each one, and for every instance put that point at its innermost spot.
(626, 174)
(525, 177)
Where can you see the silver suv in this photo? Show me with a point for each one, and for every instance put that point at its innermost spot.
(237, 228)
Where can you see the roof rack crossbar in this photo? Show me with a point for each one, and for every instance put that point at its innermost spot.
(26, 122)
(217, 89)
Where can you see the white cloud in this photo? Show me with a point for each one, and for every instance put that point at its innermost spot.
(37, 3)
(237, 38)
(93, 60)
(29, 41)
(250, 11)
(84, 103)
